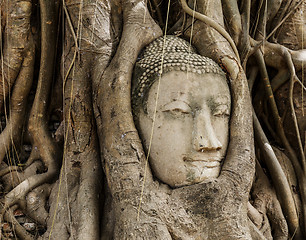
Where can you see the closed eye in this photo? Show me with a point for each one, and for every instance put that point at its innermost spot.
(221, 111)
(177, 107)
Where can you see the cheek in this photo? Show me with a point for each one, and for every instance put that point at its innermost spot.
(221, 128)
(172, 135)
(170, 142)
(144, 128)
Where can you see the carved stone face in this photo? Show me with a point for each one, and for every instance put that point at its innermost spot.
(190, 134)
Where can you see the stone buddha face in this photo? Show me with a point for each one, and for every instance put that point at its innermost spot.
(190, 133)
(189, 116)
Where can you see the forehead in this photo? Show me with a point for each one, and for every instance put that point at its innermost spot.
(189, 86)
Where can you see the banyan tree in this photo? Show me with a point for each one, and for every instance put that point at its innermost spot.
(152, 119)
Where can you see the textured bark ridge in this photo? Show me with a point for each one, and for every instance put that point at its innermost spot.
(72, 164)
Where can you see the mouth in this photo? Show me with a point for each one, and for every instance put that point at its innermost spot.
(201, 159)
(207, 161)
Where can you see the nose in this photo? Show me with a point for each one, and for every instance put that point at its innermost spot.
(205, 138)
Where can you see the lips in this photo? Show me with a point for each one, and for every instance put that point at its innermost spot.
(207, 160)
(202, 159)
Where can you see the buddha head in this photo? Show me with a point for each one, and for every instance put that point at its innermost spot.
(181, 105)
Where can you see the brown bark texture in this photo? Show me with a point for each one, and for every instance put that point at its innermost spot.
(72, 163)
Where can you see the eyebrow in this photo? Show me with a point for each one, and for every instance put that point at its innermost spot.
(177, 100)
(220, 100)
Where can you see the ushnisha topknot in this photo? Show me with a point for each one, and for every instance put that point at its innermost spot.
(176, 54)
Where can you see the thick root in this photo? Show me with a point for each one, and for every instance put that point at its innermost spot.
(16, 43)
(18, 102)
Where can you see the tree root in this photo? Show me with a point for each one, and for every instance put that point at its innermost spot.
(121, 143)
(285, 58)
(242, 157)
(264, 41)
(38, 129)
(275, 114)
(35, 204)
(156, 5)
(20, 231)
(281, 77)
(18, 102)
(136, 34)
(233, 19)
(14, 178)
(37, 124)
(279, 179)
(259, 32)
(276, 56)
(75, 198)
(8, 170)
(40, 136)
(244, 45)
(282, 18)
(81, 157)
(16, 44)
(252, 77)
(90, 189)
(210, 22)
(20, 191)
(265, 201)
(301, 176)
